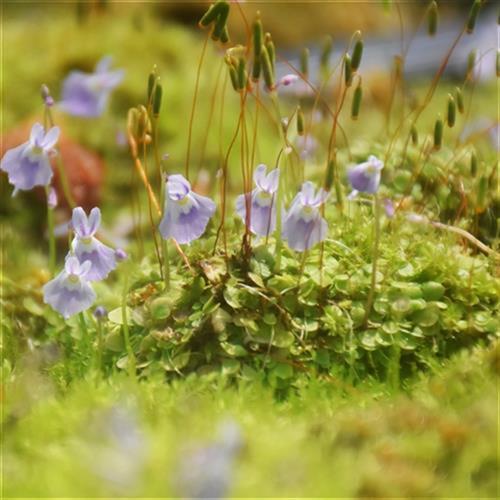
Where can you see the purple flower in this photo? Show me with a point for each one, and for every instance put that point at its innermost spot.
(288, 79)
(389, 208)
(69, 292)
(263, 203)
(28, 165)
(87, 248)
(303, 226)
(186, 213)
(86, 94)
(365, 177)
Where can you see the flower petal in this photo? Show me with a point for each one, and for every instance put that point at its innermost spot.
(94, 221)
(259, 176)
(50, 139)
(36, 133)
(80, 222)
(272, 180)
(307, 192)
(178, 186)
(72, 265)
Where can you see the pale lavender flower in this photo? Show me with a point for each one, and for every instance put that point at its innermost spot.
(365, 177)
(262, 201)
(288, 79)
(88, 248)
(186, 213)
(86, 94)
(389, 208)
(28, 165)
(303, 226)
(69, 292)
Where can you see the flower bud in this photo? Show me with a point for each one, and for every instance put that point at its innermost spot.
(347, 70)
(451, 112)
(356, 102)
(100, 313)
(304, 62)
(357, 54)
(120, 254)
(474, 11)
(300, 121)
(288, 80)
(52, 198)
(459, 100)
(432, 18)
(157, 100)
(46, 97)
(438, 133)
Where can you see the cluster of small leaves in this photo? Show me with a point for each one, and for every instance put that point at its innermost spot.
(248, 321)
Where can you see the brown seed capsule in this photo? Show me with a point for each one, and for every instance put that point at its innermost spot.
(300, 121)
(414, 135)
(460, 100)
(347, 70)
(438, 133)
(330, 175)
(257, 36)
(451, 112)
(157, 99)
(356, 102)
(432, 18)
(474, 11)
(357, 54)
(267, 69)
(473, 164)
(471, 62)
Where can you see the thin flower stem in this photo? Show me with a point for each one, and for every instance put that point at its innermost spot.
(99, 346)
(279, 196)
(83, 327)
(193, 108)
(149, 190)
(131, 364)
(60, 167)
(376, 241)
(51, 235)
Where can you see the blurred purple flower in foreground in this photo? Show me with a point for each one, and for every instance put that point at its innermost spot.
(86, 94)
(28, 165)
(365, 177)
(87, 248)
(186, 213)
(207, 472)
(303, 226)
(263, 203)
(69, 292)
